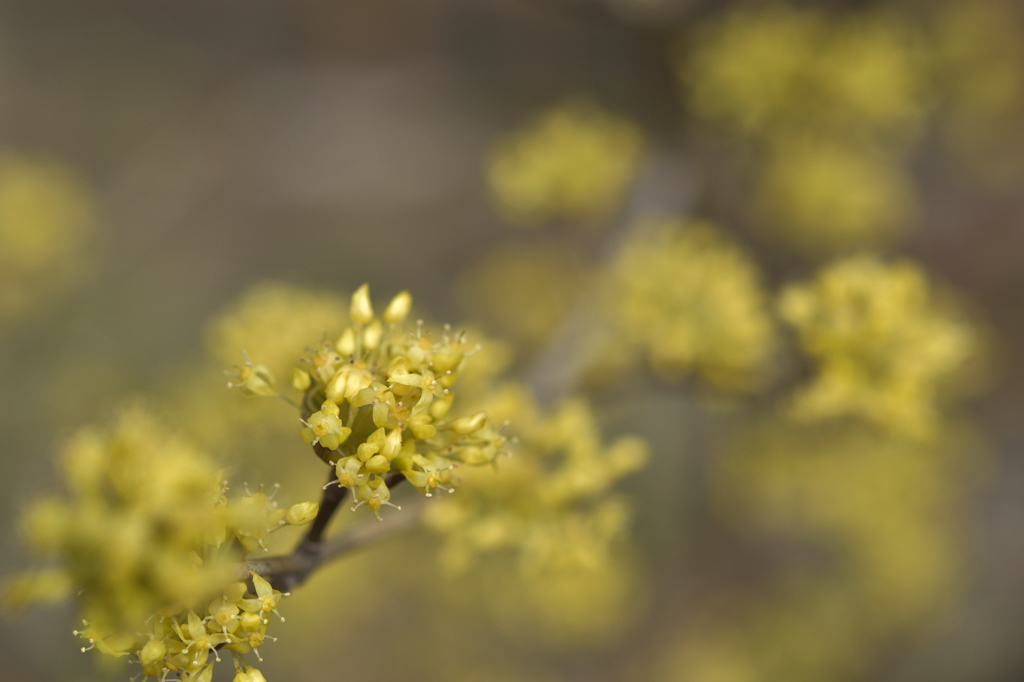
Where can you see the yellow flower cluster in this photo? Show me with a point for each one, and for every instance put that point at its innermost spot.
(47, 218)
(274, 321)
(575, 161)
(694, 303)
(145, 535)
(550, 500)
(882, 343)
(831, 104)
(377, 401)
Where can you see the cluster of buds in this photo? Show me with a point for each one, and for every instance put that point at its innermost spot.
(145, 536)
(377, 402)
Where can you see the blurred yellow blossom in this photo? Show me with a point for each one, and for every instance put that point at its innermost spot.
(886, 507)
(827, 195)
(550, 500)
(47, 220)
(779, 69)
(830, 105)
(694, 303)
(145, 534)
(576, 161)
(274, 322)
(883, 344)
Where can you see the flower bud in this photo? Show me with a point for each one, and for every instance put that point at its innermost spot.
(251, 622)
(398, 309)
(302, 513)
(393, 444)
(421, 427)
(346, 345)
(300, 379)
(440, 406)
(467, 425)
(445, 359)
(378, 464)
(372, 335)
(152, 652)
(361, 311)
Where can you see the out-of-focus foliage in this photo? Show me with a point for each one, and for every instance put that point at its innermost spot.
(47, 223)
(884, 345)
(144, 535)
(693, 302)
(575, 161)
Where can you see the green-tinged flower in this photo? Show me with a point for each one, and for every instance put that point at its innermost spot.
(252, 380)
(325, 428)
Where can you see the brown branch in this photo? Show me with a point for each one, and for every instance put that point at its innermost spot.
(288, 572)
(331, 499)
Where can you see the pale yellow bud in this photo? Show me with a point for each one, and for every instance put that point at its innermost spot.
(302, 513)
(372, 335)
(393, 444)
(467, 425)
(361, 311)
(300, 379)
(346, 345)
(378, 464)
(152, 652)
(398, 309)
(445, 359)
(366, 450)
(440, 406)
(251, 622)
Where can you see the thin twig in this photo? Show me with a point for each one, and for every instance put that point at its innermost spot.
(288, 572)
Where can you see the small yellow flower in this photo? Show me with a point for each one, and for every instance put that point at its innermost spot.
(325, 428)
(252, 379)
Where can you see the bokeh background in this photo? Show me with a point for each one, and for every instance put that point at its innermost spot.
(179, 180)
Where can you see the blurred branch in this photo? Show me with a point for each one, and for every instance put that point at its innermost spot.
(665, 187)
